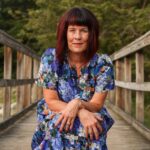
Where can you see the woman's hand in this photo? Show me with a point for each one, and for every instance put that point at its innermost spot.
(91, 123)
(68, 115)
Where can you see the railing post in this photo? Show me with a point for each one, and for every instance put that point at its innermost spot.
(127, 71)
(7, 75)
(27, 75)
(40, 90)
(119, 74)
(35, 89)
(20, 75)
(111, 94)
(139, 79)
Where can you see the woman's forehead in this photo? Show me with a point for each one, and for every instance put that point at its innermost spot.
(77, 26)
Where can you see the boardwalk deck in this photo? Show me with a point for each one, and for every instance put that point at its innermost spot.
(120, 137)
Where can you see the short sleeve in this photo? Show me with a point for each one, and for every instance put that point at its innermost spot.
(105, 76)
(47, 75)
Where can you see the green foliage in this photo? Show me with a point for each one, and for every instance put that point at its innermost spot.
(13, 15)
(34, 22)
(120, 22)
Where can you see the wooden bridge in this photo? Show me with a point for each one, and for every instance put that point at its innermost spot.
(19, 96)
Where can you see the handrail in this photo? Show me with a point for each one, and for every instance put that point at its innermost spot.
(133, 47)
(9, 41)
(121, 97)
(27, 65)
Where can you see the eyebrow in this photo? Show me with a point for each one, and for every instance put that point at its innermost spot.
(75, 27)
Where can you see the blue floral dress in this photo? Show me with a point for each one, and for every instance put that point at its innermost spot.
(97, 76)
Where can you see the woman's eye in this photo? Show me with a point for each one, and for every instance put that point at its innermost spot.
(71, 30)
(85, 30)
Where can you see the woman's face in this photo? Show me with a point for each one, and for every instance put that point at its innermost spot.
(77, 38)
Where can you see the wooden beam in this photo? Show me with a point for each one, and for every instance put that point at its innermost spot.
(127, 68)
(14, 44)
(11, 120)
(35, 88)
(136, 124)
(7, 75)
(133, 47)
(145, 86)
(14, 82)
(20, 75)
(27, 75)
(139, 94)
(118, 89)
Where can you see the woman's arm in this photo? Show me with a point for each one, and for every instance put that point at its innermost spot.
(56, 105)
(53, 101)
(68, 110)
(90, 120)
(96, 103)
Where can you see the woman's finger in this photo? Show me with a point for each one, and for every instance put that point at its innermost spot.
(68, 124)
(71, 125)
(59, 120)
(98, 117)
(90, 132)
(63, 124)
(86, 132)
(99, 127)
(96, 132)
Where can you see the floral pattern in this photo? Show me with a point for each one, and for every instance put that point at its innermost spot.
(96, 76)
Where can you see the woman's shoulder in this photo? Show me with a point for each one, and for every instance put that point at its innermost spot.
(103, 59)
(49, 55)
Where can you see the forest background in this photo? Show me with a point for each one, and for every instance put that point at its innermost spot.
(34, 22)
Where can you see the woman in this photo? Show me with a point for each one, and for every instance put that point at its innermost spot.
(75, 81)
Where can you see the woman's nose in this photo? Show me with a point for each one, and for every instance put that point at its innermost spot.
(77, 35)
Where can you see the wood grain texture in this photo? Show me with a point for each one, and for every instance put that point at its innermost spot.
(8, 40)
(7, 75)
(133, 47)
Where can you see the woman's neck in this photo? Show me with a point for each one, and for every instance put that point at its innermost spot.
(76, 58)
(77, 61)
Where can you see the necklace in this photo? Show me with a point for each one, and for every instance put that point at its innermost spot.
(73, 65)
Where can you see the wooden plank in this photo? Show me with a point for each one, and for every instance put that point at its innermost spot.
(7, 75)
(38, 89)
(139, 94)
(27, 75)
(127, 67)
(34, 88)
(14, 118)
(19, 76)
(14, 82)
(133, 47)
(40, 93)
(133, 122)
(118, 89)
(14, 44)
(145, 87)
(111, 96)
(122, 76)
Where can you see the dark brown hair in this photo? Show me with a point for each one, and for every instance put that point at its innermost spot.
(77, 16)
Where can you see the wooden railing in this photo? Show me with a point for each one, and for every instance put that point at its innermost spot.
(122, 97)
(26, 67)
